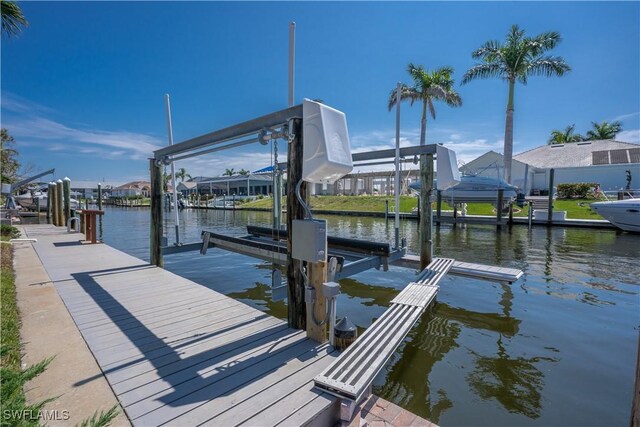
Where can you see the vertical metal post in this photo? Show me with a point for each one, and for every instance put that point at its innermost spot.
(396, 186)
(156, 214)
(292, 59)
(173, 171)
(100, 207)
(550, 210)
(439, 205)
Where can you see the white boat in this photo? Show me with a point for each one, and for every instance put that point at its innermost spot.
(475, 189)
(624, 214)
(28, 201)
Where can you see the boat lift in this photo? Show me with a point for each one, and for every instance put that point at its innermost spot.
(8, 189)
(346, 256)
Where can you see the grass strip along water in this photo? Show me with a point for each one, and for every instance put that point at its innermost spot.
(576, 208)
(14, 409)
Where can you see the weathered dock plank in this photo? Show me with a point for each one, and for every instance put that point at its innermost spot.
(176, 352)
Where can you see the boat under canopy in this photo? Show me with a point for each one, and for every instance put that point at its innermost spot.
(475, 189)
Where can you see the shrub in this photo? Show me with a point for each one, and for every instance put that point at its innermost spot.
(9, 231)
(579, 190)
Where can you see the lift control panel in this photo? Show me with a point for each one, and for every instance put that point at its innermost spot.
(309, 240)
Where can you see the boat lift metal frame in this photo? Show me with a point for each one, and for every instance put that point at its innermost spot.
(250, 132)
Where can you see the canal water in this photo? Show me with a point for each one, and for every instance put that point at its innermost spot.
(556, 348)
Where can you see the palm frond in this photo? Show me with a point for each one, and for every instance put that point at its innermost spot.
(489, 48)
(544, 42)
(548, 66)
(483, 71)
(406, 93)
(12, 18)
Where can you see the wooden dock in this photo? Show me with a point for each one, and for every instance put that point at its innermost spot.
(178, 353)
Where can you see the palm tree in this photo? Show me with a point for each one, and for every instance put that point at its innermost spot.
(604, 130)
(565, 136)
(517, 59)
(12, 18)
(436, 85)
(182, 174)
(229, 172)
(243, 172)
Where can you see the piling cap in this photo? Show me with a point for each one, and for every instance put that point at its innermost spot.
(345, 328)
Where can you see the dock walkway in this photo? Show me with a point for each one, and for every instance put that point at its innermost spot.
(176, 352)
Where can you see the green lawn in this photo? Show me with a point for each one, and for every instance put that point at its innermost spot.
(345, 203)
(576, 208)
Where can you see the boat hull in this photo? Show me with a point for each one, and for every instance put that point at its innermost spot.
(624, 214)
(475, 189)
(30, 203)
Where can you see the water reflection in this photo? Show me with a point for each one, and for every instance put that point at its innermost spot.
(259, 296)
(483, 349)
(427, 344)
(514, 382)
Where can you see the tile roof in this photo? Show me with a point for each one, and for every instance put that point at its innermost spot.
(569, 155)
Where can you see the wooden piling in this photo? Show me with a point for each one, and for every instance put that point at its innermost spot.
(499, 204)
(297, 313)
(439, 205)
(156, 214)
(59, 203)
(550, 209)
(66, 195)
(317, 330)
(426, 212)
(53, 197)
(50, 202)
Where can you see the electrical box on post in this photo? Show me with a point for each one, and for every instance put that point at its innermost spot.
(309, 240)
(326, 149)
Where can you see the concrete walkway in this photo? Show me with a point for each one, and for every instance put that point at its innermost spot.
(48, 330)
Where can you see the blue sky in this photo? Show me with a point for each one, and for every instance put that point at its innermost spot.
(83, 85)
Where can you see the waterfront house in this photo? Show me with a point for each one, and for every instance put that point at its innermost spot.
(89, 189)
(603, 162)
(135, 188)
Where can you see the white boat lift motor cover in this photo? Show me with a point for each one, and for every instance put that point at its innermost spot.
(447, 168)
(326, 146)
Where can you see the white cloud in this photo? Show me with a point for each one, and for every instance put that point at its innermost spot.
(626, 116)
(18, 104)
(31, 121)
(632, 135)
